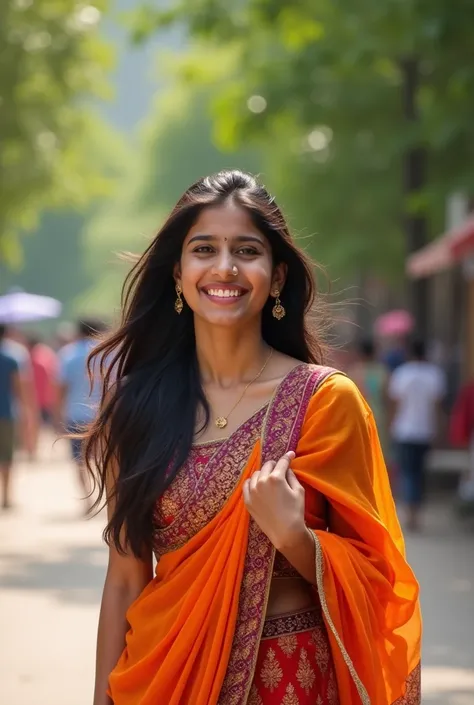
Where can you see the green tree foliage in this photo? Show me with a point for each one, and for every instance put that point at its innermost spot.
(51, 61)
(321, 85)
(55, 257)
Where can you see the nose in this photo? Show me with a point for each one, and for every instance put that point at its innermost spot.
(224, 266)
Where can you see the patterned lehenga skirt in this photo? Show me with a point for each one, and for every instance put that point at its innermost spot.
(294, 664)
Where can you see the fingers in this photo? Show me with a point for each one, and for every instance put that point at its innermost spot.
(293, 481)
(283, 465)
(272, 471)
(267, 469)
(253, 480)
(246, 492)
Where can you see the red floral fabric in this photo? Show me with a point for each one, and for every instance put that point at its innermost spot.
(294, 665)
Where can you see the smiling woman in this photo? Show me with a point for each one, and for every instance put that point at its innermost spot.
(227, 262)
(254, 475)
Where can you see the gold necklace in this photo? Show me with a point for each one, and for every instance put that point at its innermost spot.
(221, 421)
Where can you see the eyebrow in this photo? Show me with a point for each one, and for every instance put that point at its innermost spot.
(237, 238)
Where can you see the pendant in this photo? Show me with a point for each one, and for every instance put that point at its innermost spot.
(221, 422)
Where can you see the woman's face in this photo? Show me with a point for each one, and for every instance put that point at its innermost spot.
(226, 269)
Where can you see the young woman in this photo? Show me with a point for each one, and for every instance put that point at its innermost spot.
(254, 476)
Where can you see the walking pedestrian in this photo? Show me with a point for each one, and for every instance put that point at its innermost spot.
(13, 409)
(253, 472)
(13, 343)
(44, 363)
(417, 389)
(77, 399)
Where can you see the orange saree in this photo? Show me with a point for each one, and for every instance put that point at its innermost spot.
(195, 630)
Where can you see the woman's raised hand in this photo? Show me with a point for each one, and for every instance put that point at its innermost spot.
(275, 500)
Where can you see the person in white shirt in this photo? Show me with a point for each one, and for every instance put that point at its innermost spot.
(416, 390)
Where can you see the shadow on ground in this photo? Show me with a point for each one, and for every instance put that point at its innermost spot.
(76, 576)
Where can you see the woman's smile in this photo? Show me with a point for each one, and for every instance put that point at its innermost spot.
(224, 294)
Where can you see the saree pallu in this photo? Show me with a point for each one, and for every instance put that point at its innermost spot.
(195, 631)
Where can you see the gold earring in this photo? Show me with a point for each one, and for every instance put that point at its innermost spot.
(278, 310)
(178, 304)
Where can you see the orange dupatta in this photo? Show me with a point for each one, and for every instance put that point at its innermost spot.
(367, 590)
(195, 630)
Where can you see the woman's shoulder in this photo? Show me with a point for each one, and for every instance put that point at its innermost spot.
(326, 382)
(328, 377)
(337, 392)
(336, 410)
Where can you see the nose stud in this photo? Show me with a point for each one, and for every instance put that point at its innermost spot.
(235, 271)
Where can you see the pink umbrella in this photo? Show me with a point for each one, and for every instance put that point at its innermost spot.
(394, 323)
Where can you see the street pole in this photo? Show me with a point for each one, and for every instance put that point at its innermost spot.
(414, 180)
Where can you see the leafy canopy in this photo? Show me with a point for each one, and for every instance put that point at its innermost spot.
(51, 63)
(320, 87)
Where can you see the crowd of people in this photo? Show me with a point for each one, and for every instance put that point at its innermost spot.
(44, 384)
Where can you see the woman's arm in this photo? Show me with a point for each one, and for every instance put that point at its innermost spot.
(126, 578)
(275, 499)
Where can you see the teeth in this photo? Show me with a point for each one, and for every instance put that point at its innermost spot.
(223, 293)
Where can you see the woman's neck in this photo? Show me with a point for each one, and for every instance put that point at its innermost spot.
(228, 357)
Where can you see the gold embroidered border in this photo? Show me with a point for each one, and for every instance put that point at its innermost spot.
(291, 623)
(364, 696)
(281, 431)
(413, 689)
(200, 499)
(252, 604)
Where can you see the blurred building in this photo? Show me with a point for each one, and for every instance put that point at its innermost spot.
(448, 264)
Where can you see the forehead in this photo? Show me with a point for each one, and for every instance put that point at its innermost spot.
(227, 220)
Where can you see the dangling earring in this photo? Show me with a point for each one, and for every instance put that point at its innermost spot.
(178, 304)
(278, 310)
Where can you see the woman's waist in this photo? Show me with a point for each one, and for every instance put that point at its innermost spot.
(290, 595)
(292, 622)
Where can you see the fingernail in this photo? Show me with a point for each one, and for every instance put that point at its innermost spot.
(291, 454)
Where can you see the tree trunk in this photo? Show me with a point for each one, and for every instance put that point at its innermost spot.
(414, 180)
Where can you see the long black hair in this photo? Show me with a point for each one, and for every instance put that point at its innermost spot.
(151, 382)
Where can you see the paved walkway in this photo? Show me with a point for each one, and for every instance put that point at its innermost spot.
(52, 569)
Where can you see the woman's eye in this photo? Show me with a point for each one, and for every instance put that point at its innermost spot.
(203, 249)
(247, 251)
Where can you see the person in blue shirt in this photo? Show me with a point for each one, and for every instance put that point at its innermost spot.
(77, 402)
(13, 403)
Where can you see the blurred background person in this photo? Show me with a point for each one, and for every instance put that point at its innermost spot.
(13, 408)
(372, 377)
(395, 353)
(77, 403)
(44, 362)
(13, 342)
(416, 389)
